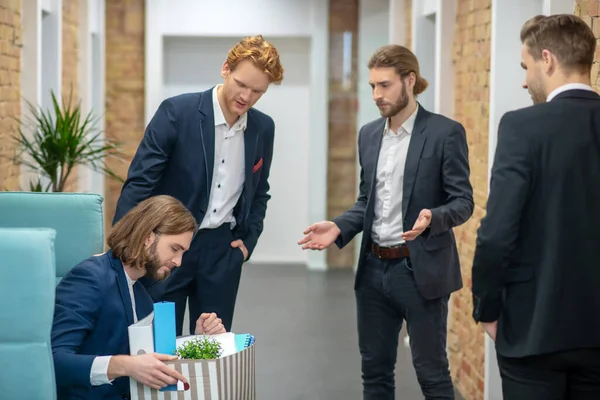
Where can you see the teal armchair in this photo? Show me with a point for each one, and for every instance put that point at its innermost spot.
(26, 309)
(77, 219)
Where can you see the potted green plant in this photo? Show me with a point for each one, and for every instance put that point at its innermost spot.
(52, 142)
(199, 348)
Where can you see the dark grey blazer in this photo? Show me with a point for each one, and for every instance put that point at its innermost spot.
(436, 177)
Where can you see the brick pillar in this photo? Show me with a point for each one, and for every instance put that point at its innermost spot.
(472, 93)
(70, 61)
(124, 88)
(343, 100)
(10, 90)
(589, 11)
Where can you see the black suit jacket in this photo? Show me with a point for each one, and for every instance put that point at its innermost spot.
(436, 177)
(176, 157)
(536, 267)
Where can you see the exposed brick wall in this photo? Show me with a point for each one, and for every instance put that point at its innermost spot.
(10, 89)
(589, 11)
(70, 60)
(124, 88)
(343, 100)
(471, 60)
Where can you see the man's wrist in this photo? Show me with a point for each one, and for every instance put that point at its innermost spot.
(339, 231)
(118, 367)
(428, 214)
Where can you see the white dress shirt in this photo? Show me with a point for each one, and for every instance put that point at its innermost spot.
(228, 173)
(568, 86)
(387, 224)
(99, 371)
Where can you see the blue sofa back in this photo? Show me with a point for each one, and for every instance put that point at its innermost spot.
(77, 219)
(27, 293)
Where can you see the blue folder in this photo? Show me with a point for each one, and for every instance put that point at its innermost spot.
(164, 332)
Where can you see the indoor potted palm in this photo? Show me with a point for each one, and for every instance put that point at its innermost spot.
(52, 142)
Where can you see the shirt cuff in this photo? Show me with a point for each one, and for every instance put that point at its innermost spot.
(99, 371)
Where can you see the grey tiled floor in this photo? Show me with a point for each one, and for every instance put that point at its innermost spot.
(305, 326)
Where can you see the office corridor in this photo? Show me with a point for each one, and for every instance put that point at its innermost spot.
(305, 327)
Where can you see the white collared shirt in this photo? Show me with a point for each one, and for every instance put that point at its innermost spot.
(568, 86)
(228, 173)
(99, 370)
(387, 224)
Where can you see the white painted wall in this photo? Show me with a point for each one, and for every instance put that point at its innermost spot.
(186, 44)
(558, 7)
(47, 5)
(91, 80)
(434, 22)
(97, 84)
(51, 43)
(318, 137)
(84, 77)
(31, 71)
(194, 64)
(373, 32)
(443, 88)
(424, 18)
(396, 25)
(234, 17)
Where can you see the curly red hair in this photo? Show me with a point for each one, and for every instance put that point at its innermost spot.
(262, 54)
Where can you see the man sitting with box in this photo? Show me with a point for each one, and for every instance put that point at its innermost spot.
(100, 297)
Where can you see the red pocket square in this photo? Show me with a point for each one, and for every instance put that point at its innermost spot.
(257, 166)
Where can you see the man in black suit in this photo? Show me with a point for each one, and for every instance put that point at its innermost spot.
(414, 189)
(536, 274)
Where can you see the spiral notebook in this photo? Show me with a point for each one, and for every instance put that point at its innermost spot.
(243, 341)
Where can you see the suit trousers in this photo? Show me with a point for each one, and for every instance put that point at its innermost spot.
(567, 375)
(385, 297)
(209, 278)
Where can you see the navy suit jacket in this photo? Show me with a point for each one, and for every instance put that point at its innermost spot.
(176, 158)
(91, 316)
(436, 177)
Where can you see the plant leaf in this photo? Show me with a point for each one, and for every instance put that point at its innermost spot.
(55, 140)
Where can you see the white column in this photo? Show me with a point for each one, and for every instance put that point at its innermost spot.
(51, 43)
(41, 61)
(97, 60)
(445, 24)
(424, 16)
(506, 94)
(558, 7)
(153, 62)
(397, 22)
(84, 69)
(319, 123)
(31, 70)
(434, 22)
(91, 81)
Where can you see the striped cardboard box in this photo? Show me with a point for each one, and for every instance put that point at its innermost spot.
(227, 378)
